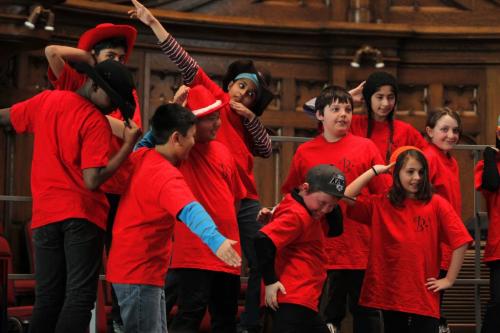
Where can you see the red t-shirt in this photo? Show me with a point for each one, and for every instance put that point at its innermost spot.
(70, 135)
(70, 79)
(404, 134)
(232, 134)
(405, 251)
(492, 251)
(300, 256)
(353, 155)
(144, 223)
(211, 173)
(445, 178)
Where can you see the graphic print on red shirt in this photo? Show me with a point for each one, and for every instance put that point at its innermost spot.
(353, 155)
(405, 251)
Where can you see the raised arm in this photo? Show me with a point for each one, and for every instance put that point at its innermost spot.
(261, 141)
(168, 44)
(196, 218)
(355, 187)
(58, 55)
(94, 177)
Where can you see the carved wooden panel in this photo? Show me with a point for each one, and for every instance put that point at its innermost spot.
(462, 98)
(307, 89)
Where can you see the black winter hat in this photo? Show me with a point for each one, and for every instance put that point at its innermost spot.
(374, 82)
(116, 80)
(264, 95)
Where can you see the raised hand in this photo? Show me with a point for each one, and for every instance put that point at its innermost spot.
(142, 13)
(242, 110)
(180, 96)
(357, 93)
(131, 133)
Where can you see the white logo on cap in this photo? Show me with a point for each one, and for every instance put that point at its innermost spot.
(339, 182)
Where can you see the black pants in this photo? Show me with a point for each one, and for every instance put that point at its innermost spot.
(171, 284)
(344, 286)
(113, 200)
(401, 322)
(491, 322)
(293, 318)
(248, 227)
(68, 257)
(198, 289)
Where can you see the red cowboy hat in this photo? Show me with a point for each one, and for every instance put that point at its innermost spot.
(108, 30)
(202, 102)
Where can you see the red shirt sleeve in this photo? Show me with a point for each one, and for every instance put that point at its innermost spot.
(380, 183)
(284, 229)
(362, 209)
(23, 114)
(69, 79)
(174, 194)
(203, 79)
(415, 138)
(453, 231)
(96, 136)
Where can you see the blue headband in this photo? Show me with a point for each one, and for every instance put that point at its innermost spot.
(252, 77)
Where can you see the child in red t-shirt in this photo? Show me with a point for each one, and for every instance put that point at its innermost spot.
(487, 180)
(408, 225)
(156, 197)
(290, 250)
(70, 162)
(347, 254)
(211, 173)
(380, 94)
(443, 130)
(246, 95)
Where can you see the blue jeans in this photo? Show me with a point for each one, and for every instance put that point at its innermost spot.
(67, 261)
(142, 308)
(248, 227)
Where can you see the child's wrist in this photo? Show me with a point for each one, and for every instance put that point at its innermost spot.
(374, 171)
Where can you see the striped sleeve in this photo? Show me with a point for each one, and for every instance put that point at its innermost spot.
(175, 52)
(261, 141)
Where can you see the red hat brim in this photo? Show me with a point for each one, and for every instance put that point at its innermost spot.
(106, 31)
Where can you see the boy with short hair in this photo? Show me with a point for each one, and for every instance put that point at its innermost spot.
(290, 250)
(156, 197)
(211, 173)
(347, 254)
(70, 162)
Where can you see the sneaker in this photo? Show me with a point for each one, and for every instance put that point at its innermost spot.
(332, 328)
(444, 328)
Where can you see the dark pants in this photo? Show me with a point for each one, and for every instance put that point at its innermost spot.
(198, 289)
(442, 318)
(491, 322)
(401, 322)
(68, 257)
(248, 226)
(343, 286)
(293, 318)
(113, 200)
(171, 284)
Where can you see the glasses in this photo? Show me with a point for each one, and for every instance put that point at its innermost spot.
(39, 13)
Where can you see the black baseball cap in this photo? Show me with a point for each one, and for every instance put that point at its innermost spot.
(327, 178)
(116, 80)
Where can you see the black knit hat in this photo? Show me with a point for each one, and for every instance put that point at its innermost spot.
(116, 80)
(374, 82)
(264, 94)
